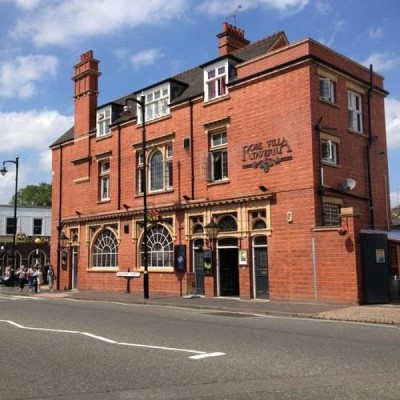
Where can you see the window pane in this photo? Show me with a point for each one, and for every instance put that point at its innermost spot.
(159, 247)
(105, 250)
(156, 172)
(331, 214)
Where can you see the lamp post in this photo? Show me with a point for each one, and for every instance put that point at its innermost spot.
(3, 171)
(61, 244)
(142, 104)
(212, 230)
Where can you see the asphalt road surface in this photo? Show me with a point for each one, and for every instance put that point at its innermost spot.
(73, 350)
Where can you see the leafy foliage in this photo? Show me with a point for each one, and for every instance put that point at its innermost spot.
(34, 196)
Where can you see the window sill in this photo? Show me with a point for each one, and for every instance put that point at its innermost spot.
(329, 103)
(98, 138)
(216, 100)
(103, 269)
(169, 190)
(329, 164)
(104, 201)
(158, 269)
(326, 228)
(356, 132)
(220, 182)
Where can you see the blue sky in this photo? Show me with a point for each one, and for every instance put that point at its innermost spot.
(140, 42)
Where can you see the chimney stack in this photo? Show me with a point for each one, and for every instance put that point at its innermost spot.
(86, 92)
(230, 39)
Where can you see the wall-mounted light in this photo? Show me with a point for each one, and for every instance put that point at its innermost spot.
(78, 213)
(263, 188)
(125, 206)
(186, 197)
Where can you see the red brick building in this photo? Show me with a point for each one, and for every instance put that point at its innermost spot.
(282, 145)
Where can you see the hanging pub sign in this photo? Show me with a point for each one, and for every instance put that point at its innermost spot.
(266, 154)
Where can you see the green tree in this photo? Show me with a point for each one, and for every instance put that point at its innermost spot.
(34, 196)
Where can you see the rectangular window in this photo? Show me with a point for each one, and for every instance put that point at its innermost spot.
(331, 214)
(215, 80)
(327, 89)
(355, 111)
(218, 157)
(103, 122)
(37, 226)
(330, 151)
(10, 226)
(104, 180)
(156, 104)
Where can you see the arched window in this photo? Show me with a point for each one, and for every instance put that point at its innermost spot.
(156, 171)
(227, 224)
(105, 250)
(160, 249)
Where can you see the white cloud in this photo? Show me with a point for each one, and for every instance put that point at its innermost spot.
(323, 7)
(375, 33)
(18, 76)
(62, 21)
(394, 199)
(392, 110)
(145, 57)
(224, 7)
(31, 129)
(28, 4)
(383, 61)
(29, 134)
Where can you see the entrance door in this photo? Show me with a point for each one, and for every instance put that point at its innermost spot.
(228, 271)
(198, 260)
(260, 252)
(375, 267)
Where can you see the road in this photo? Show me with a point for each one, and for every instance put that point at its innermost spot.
(73, 350)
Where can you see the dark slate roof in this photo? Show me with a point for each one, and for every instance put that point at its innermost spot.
(193, 79)
(69, 135)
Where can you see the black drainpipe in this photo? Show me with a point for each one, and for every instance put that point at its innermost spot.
(318, 128)
(368, 149)
(119, 167)
(191, 149)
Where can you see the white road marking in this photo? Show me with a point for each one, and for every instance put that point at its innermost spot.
(199, 354)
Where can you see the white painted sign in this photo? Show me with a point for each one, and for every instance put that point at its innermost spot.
(133, 274)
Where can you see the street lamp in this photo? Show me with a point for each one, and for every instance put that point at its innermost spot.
(61, 244)
(212, 230)
(142, 104)
(3, 171)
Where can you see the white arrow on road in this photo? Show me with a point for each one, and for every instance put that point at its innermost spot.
(198, 354)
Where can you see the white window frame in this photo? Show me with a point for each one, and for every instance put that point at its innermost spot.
(327, 89)
(166, 151)
(355, 111)
(103, 121)
(330, 150)
(216, 78)
(156, 103)
(104, 176)
(218, 153)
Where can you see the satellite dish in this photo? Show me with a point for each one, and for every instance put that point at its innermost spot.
(348, 184)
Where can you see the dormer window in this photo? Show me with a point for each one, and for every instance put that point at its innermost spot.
(215, 80)
(103, 122)
(157, 100)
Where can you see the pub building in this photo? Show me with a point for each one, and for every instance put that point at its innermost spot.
(252, 175)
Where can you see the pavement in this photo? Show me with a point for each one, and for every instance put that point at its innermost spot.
(377, 313)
